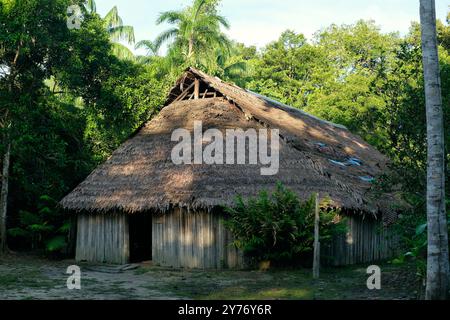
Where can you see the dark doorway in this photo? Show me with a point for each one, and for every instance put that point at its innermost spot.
(140, 228)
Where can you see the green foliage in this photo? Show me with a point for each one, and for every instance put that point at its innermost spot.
(195, 39)
(69, 102)
(42, 228)
(278, 227)
(282, 72)
(366, 80)
(55, 244)
(412, 229)
(117, 31)
(196, 33)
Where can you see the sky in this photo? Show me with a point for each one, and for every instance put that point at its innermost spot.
(259, 22)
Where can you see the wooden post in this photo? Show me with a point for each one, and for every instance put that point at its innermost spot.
(196, 89)
(316, 261)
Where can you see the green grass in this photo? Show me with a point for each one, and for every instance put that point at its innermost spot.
(142, 270)
(29, 279)
(243, 293)
(298, 284)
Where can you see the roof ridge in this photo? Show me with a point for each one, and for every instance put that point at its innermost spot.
(293, 109)
(275, 103)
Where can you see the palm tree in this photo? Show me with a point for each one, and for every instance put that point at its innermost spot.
(91, 6)
(149, 46)
(196, 32)
(230, 65)
(151, 53)
(116, 30)
(437, 261)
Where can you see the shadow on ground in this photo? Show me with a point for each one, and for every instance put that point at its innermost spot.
(31, 277)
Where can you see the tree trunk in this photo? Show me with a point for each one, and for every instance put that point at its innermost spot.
(316, 261)
(4, 198)
(437, 261)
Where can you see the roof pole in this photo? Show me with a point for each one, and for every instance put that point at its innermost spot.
(196, 89)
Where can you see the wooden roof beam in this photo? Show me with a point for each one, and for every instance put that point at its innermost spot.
(185, 92)
(196, 89)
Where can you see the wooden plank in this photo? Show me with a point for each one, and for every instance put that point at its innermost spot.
(81, 235)
(126, 236)
(196, 89)
(366, 241)
(184, 93)
(103, 238)
(193, 240)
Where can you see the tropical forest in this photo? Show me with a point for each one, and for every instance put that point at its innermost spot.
(87, 101)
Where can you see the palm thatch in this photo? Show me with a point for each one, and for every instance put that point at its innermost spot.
(140, 175)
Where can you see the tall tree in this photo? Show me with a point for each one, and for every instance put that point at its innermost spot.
(5, 187)
(196, 33)
(117, 31)
(33, 41)
(65, 103)
(437, 261)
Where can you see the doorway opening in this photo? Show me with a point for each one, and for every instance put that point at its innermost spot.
(140, 230)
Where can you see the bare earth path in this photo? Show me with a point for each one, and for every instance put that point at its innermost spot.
(31, 277)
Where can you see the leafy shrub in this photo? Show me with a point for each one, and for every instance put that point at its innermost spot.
(43, 229)
(412, 228)
(279, 227)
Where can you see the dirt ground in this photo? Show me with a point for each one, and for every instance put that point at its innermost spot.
(31, 277)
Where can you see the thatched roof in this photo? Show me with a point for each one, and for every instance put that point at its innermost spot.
(140, 175)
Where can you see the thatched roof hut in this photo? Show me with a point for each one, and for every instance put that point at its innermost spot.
(315, 156)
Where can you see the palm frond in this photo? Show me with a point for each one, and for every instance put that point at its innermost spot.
(112, 18)
(122, 52)
(222, 21)
(239, 66)
(149, 46)
(144, 60)
(197, 34)
(198, 6)
(166, 36)
(119, 33)
(214, 39)
(170, 17)
(91, 6)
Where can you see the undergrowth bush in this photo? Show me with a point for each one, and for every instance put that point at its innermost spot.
(412, 229)
(43, 229)
(279, 227)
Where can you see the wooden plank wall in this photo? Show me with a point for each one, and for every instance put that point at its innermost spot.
(103, 238)
(199, 240)
(196, 240)
(366, 241)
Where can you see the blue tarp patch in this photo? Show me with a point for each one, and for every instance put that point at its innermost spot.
(367, 179)
(348, 162)
(342, 164)
(354, 162)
